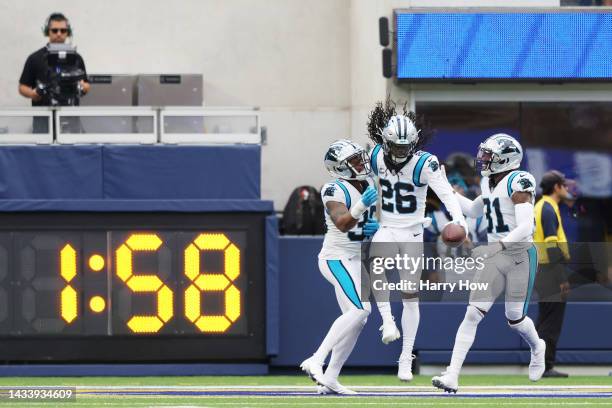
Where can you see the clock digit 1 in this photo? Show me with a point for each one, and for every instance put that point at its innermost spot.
(124, 257)
(209, 282)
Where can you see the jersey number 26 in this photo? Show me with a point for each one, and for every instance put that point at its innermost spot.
(396, 198)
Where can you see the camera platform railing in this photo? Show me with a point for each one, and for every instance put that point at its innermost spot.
(192, 125)
(130, 125)
(26, 126)
(126, 125)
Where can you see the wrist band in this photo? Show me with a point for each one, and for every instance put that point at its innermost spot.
(358, 209)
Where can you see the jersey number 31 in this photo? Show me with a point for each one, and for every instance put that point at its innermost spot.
(501, 226)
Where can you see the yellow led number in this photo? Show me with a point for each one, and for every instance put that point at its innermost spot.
(144, 283)
(200, 283)
(68, 296)
(212, 282)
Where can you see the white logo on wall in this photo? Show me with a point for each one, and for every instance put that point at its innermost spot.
(594, 173)
(536, 161)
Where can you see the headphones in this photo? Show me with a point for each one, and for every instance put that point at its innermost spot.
(56, 16)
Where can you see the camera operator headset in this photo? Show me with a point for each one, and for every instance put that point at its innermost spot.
(35, 74)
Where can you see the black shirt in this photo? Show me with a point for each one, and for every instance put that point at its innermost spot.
(549, 220)
(36, 69)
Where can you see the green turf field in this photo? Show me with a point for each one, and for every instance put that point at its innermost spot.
(379, 391)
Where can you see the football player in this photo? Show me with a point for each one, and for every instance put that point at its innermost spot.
(404, 173)
(348, 204)
(510, 259)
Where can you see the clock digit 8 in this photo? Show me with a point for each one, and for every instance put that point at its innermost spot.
(116, 285)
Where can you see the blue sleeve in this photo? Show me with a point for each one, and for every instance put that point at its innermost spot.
(550, 224)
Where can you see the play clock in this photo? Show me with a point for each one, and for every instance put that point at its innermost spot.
(132, 286)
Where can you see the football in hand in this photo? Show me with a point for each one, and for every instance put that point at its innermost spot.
(453, 235)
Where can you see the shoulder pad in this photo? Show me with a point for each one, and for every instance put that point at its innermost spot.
(424, 160)
(374, 158)
(432, 163)
(521, 181)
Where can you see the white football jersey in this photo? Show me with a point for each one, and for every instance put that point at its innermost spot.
(338, 244)
(404, 193)
(498, 206)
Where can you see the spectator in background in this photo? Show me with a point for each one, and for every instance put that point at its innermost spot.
(551, 281)
(463, 165)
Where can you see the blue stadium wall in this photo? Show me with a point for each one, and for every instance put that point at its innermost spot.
(308, 307)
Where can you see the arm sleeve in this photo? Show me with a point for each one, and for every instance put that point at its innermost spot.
(437, 182)
(471, 208)
(524, 228)
(27, 75)
(550, 224)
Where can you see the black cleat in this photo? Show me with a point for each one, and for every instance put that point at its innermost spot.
(552, 373)
(439, 383)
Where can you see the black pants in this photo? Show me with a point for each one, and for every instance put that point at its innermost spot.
(551, 308)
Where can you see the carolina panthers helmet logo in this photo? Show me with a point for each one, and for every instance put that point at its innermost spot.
(332, 153)
(506, 146)
(433, 165)
(525, 183)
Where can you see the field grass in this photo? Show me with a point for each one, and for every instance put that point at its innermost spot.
(298, 391)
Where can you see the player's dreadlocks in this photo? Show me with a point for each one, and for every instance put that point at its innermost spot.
(378, 119)
(380, 115)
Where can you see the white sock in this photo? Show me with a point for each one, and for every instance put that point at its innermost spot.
(410, 324)
(384, 308)
(465, 338)
(342, 351)
(341, 327)
(527, 331)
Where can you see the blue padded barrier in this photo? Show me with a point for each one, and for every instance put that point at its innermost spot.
(154, 172)
(272, 288)
(130, 172)
(50, 172)
(138, 205)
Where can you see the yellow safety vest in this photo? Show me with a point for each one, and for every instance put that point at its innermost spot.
(551, 241)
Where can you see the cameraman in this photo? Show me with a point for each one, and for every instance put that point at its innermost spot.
(36, 71)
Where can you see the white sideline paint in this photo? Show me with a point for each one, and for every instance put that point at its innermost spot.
(604, 388)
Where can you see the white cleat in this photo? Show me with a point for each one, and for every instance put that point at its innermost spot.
(323, 390)
(447, 381)
(333, 385)
(404, 369)
(390, 332)
(537, 364)
(312, 367)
